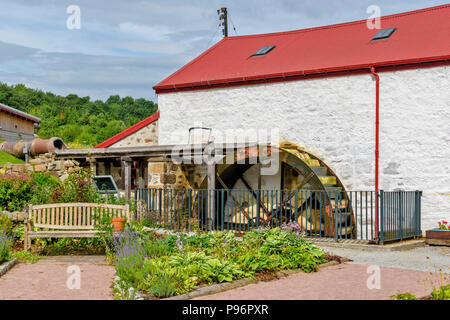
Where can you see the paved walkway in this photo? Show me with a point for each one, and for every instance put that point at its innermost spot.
(47, 279)
(427, 258)
(345, 281)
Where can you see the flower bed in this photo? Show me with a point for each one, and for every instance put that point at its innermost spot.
(165, 266)
(440, 235)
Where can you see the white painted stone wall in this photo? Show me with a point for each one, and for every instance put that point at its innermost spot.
(334, 118)
(146, 136)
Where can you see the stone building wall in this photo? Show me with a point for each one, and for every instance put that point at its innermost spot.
(166, 174)
(147, 136)
(334, 119)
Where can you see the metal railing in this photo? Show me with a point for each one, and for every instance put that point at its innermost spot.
(363, 215)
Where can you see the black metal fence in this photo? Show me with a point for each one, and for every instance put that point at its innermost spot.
(364, 215)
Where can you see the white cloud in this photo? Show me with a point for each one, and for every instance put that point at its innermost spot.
(126, 47)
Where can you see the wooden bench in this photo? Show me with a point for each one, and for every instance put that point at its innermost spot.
(67, 220)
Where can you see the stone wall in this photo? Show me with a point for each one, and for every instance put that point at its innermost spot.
(44, 163)
(166, 174)
(147, 136)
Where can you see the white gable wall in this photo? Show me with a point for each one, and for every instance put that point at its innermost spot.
(334, 118)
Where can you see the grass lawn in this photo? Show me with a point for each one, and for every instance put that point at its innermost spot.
(6, 157)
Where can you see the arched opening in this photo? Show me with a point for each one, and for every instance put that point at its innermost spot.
(303, 189)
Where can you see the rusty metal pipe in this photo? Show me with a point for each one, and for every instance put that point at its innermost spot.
(36, 146)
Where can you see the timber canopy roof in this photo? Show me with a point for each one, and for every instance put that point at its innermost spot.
(421, 37)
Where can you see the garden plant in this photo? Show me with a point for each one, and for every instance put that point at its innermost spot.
(168, 265)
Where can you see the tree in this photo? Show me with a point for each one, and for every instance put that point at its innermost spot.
(77, 119)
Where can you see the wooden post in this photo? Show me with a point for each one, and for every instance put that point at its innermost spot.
(211, 171)
(93, 165)
(211, 196)
(108, 167)
(127, 176)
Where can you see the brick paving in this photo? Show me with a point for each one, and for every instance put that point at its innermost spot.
(47, 280)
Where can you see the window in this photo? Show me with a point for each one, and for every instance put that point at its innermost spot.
(263, 51)
(384, 34)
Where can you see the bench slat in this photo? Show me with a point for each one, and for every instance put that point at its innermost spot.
(51, 226)
(63, 234)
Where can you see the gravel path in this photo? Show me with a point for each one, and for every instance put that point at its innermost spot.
(341, 282)
(47, 279)
(428, 258)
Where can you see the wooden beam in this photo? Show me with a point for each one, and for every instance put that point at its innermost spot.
(147, 151)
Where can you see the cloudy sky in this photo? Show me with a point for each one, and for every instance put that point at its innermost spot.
(126, 47)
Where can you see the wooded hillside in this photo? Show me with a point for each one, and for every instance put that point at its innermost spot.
(79, 121)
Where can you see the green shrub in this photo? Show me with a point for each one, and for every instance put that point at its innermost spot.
(77, 187)
(162, 280)
(18, 232)
(443, 293)
(206, 268)
(404, 296)
(5, 225)
(5, 247)
(25, 256)
(179, 263)
(43, 187)
(15, 191)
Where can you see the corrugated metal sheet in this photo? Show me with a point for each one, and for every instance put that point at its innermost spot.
(420, 36)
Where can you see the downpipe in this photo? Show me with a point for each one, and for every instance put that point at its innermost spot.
(377, 141)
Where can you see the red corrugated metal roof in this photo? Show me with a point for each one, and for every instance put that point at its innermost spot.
(125, 133)
(421, 36)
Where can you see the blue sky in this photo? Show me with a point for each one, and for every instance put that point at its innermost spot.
(126, 47)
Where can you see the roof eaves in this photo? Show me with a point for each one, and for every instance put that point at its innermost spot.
(420, 62)
(19, 113)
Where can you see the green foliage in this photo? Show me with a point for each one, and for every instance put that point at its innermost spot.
(5, 225)
(64, 246)
(162, 280)
(44, 185)
(177, 264)
(443, 293)
(404, 296)
(19, 190)
(5, 247)
(25, 256)
(77, 187)
(18, 232)
(207, 269)
(77, 119)
(15, 191)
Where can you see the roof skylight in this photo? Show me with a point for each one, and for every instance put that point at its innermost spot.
(263, 51)
(384, 34)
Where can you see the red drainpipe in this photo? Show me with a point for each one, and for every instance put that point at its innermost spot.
(377, 137)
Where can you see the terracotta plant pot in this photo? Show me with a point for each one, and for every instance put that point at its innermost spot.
(118, 224)
(438, 237)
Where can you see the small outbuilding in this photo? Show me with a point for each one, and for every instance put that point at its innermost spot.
(17, 125)
(141, 134)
